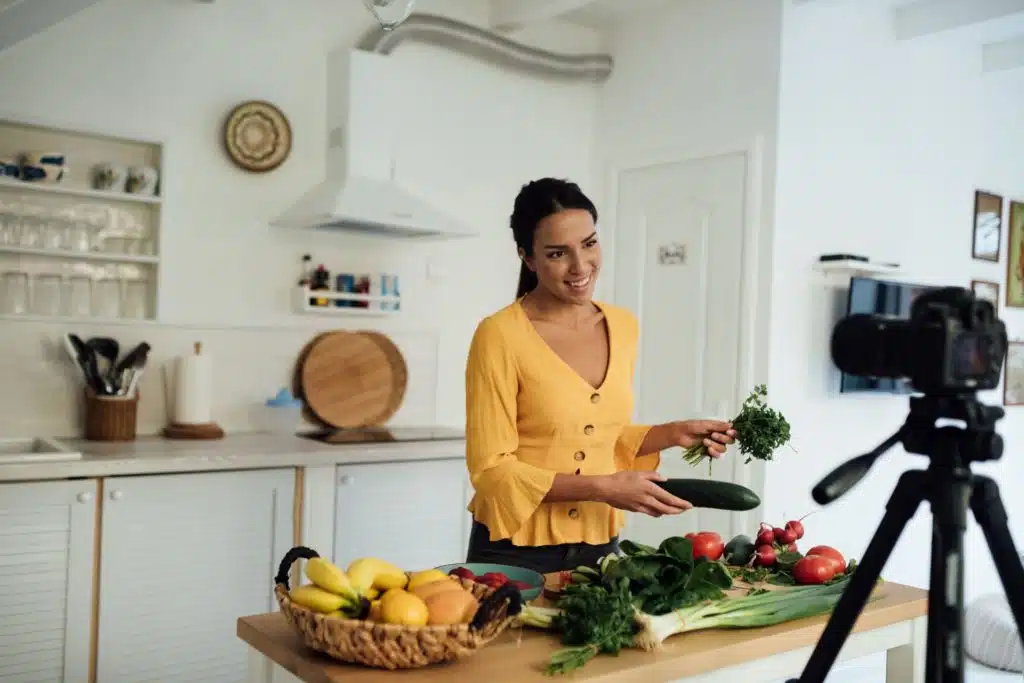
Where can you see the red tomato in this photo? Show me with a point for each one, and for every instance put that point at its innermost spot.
(830, 553)
(814, 569)
(706, 544)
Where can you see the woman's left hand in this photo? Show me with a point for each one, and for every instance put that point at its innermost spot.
(715, 434)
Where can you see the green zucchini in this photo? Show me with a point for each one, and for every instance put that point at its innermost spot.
(704, 493)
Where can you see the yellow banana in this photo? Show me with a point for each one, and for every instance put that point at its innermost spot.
(316, 599)
(370, 572)
(326, 575)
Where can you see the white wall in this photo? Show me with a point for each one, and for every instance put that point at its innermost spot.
(692, 80)
(881, 145)
(171, 70)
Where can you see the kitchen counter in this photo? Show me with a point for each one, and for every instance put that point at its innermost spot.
(895, 624)
(256, 450)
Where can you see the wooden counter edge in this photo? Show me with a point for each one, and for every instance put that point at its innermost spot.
(699, 653)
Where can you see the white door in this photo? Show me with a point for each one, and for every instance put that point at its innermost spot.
(678, 244)
(47, 543)
(183, 557)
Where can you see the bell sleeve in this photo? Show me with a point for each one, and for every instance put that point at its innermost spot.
(508, 491)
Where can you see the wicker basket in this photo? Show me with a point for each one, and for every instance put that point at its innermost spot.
(110, 418)
(391, 646)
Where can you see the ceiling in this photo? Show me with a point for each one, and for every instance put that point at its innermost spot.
(605, 13)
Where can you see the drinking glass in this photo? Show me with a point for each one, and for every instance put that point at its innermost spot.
(106, 298)
(78, 303)
(46, 295)
(133, 305)
(14, 295)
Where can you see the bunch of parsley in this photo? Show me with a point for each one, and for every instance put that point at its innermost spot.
(760, 430)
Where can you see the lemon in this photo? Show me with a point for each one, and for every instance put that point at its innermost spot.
(398, 606)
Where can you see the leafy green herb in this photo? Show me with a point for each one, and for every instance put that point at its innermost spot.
(760, 430)
(593, 619)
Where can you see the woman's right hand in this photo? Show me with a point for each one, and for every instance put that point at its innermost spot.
(638, 492)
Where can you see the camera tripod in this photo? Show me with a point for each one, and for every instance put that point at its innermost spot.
(950, 487)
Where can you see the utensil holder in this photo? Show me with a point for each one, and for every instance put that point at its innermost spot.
(111, 418)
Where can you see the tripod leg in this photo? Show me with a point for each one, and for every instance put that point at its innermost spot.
(987, 506)
(903, 502)
(948, 494)
(935, 600)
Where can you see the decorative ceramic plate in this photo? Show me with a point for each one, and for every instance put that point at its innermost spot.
(258, 136)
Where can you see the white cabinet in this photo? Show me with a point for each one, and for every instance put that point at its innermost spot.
(183, 556)
(412, 514)
(47, 552)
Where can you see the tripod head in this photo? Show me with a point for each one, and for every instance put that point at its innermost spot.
(948, 447)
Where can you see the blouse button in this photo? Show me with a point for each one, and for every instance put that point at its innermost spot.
(574, 514)
(580, 455)
(595, 397)
(588, 430)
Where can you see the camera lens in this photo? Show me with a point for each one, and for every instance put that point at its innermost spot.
(869, 346)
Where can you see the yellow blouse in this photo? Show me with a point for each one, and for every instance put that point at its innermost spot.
(529, 415)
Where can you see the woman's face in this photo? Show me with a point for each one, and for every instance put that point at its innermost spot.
(566, 255)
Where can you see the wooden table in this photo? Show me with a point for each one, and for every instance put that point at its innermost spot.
(895, 624)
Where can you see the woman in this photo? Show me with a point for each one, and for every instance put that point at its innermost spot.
(552, 456)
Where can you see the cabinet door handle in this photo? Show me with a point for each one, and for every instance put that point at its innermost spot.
(348, 480)
(116, 494)
(84, 497)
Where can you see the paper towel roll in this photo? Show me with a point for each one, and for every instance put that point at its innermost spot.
(193, 389)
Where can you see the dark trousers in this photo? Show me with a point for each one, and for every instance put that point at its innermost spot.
(544, 559)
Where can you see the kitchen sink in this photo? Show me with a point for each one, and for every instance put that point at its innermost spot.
(37, 449)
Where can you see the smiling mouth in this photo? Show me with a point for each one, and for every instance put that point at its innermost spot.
(580, 284)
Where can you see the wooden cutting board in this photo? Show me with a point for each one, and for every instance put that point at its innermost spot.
(349, 380)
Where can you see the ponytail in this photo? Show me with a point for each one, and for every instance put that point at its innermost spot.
(527, 281)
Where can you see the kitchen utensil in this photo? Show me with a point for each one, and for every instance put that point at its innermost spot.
(86, 358)
(132, 364)
(108, 350)
(353, 379)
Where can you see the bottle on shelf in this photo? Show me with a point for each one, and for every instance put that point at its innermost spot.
(320, 281)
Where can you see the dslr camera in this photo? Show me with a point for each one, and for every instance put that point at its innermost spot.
(951, 344)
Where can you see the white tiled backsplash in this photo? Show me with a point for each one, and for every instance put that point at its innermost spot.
(42, 390)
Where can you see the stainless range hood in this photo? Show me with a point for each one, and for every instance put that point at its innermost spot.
(365, 107)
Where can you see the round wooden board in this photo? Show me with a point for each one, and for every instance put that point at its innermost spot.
(353, 379)
(296, 387)
(257, 136)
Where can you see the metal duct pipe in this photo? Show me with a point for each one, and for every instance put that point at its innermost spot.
(475, 41)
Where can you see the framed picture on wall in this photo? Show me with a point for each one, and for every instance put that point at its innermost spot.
(1015, 260)
(988, 226)
(988, 291)
(1013, 387)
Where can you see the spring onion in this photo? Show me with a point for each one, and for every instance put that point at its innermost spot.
(766, 608)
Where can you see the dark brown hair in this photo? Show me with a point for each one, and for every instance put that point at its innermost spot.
(536, 201)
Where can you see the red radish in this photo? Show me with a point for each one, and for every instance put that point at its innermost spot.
(785, 536)
(765, 535)
(814, 569)
(797, 526)
(764, 556)
(792, 548)
(831, 554)
(706, 544)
